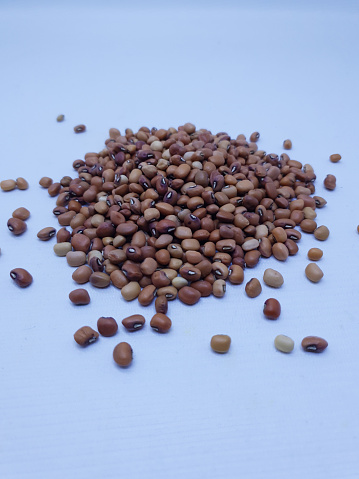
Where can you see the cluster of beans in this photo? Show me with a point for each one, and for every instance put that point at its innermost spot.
(177, 213)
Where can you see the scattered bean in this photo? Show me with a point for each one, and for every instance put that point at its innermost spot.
(160, 323)
(123, 354)
(79, 297)
(321, 233)
(8, 185)
(21, 213)
(45, 182)
(21, 277)
(335, 158)
(79, 128)
(273, 278)
(46, 233)
(315, 254)
(314, 344)
(272, 308)
(220, 343)
(22, 184)
(330, 182)
(86, 336)
(313, 273)
(253, 288)
(287, 144)
(284, 343)
(60, 118)
(107, 326)
(134, 322)
(16, 226)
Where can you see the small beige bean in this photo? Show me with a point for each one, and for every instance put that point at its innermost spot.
(46, 233)
(178, 282)
(287, 144)
(335, 158)
(21, 213)
(220, 343)
(61, 249)
(79, 128)
(22, 184)
(85, 336)
(79, 297)
(315, 254)
(250, 244)
(284, 343)
(253, 288)
(8, 185)
(273, 278)
(123, 354)
(131, 291)
(75, 258)
(321, 233)
(219, 288)
(313, 273)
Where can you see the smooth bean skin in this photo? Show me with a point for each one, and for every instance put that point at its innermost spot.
(313, 273)
(314, 344)
(82, 274)
(135, 322)
(283, 343)
(161, 304)
(161, 323)
(253, 288)
(21, 277)
(8, 185)
(220, 343)
(131, 291)
(189, 295)
(107, 326)
(335, 158)
(321, 233)
(16, 226)
(79, 297)
(272, 308)
(86, 336)
(46, 233)
(123, 354)
(315, 254)
(273, 278)
(21, 213)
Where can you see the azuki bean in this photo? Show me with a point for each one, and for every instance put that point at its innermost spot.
(315, 254)
(21, 277)
(273, 278)
(321, 233)
(16, 226)
(123, 354)
(330, 182)
(161, 304)
(284, 343)
(134, 322)
(253, 288)
(313, 273)
(314, 344)
(8, 185)
(82, 274)
(85, 336)
(235, 274)
(131, 291)
(107, 326)
(160, 323)
(335, 158)
(46, 233)
(271, 309)
(79, 297)
(220, 343)
(21, 213)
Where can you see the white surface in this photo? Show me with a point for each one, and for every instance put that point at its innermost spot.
(180, 411)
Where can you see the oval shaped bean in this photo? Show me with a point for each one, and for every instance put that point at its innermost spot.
(21, 277)
(82, 274)
(253, 288)
(272, 309)
(107, 326)
(45, 182)
(75, 258)
(86, 336)
(134, 322)
(61, 249)
(219, 288)
(123, 354)
(21, 213)
(22, 184)
(220, 343)
(330, 182)
(46, 233)
(315, 254)
(273, 278)
(100, 280)
(130, 291)
(160, 323)
(314, 344)
(8, 185)
(79, 297)
(161, 304)
(313, 273)
(16, 226)
(321, 233)
(284, 343)
(335, 158)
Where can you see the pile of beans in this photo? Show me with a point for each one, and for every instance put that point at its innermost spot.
(177, 213)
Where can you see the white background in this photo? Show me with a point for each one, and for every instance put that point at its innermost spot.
(179, 411)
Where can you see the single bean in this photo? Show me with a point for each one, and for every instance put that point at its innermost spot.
(284, 343)
(335, 158)
(60, 118)
(253, 288)
(161, 304)
(287, 144)
(79, 128)
(330, 182)
(107, 326)
(131, 291)
(160, 323)
(22, 184)
(189, 295)
(220, 343)
(61, 249)
(314, 344)
(21, 277)
(99, 279)
(75, 258)
(123, 354)
(46, 233)
(271, 309)
(313, 273)
(134, 322)
(219, 288)
(273, 278)
(8, 185)
(16, 226)
(321, 233)
(79, 297)
(85, 336)
(82, 274)
(315, 254)
(21, 213)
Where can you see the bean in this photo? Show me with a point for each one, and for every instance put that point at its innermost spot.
(60, 118)
(22, 184)
(280, 251)
(272, 308)
(79, 297)
(220, 343)
(79, 128)
(335, 158)
(107, 326)
(284, 343)
(273, 278)
(82, 274)
(321, 233)
(308, 226)
(161, 304)
(147, 295)
(219, 288)
(21, 213)
(123, 354)
(319, 201)
(160, 323)
(315, 254)
(75, 258)
(313, 273)
(85, 336)
(16, 226)
(99, 279)
(61, 249)
(45, 182)
(253, 288)
(130, 291)
(314, 344)
(189, 295)
(8, 185)
(134, 322)
(330, 182)
(287, 144)
(254, 136)
(235, 274)
(46, 233)
(21, 277)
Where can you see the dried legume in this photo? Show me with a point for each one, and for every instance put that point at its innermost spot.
(85, 336)
(284, 343)
(123, 354)
(272, 308)
(21, 213)
(107, 326)
(16, 226)
(313, 273)
(160, 323)
(315, 254)
(253, 288)
(220, 343)
(314, 344)
(21, 277)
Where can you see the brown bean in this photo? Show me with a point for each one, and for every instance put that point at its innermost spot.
(321, 233)
(189, 295)
(46, 233)
(134, 322)
(161, 323)
(21, 277)
(79, 128)
(313, 273)
(220, 343)
(147, 295)
(272, 308)
(287, 144)
(335, 158)
(314, 344)
(22, 184)
(315, 254)
(123, 354)
(330, 182)
(85, 336)
(107, 326)
(21, 213)
(16, 226)
(8, 185)
(161, 304)
(100, 280)
(45, 182)
(79, 297)
(253, 288)
(82, 274)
